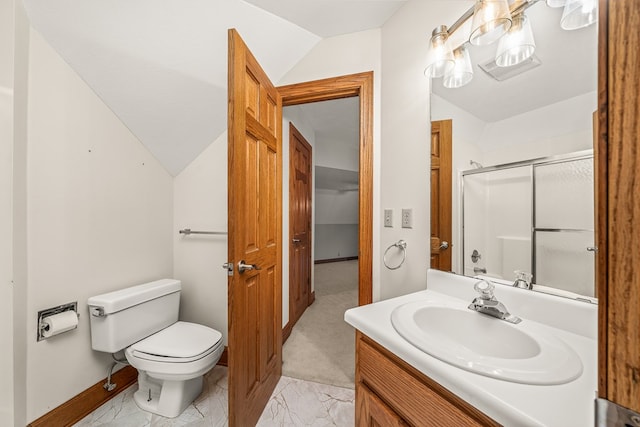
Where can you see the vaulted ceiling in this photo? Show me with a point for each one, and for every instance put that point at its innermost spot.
(162, 66)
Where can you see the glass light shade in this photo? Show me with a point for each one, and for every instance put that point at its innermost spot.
(462, 71)
(440, 54)
(491, 19)
(517, 45)
(578, 14)
(556, 3)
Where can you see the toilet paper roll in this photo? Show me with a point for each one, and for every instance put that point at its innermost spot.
(59, 323)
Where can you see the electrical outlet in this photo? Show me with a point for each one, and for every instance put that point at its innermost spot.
(407, 218)
(388, 217)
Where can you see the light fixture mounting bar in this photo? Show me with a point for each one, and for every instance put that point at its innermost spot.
(516, 8)
(468, 14)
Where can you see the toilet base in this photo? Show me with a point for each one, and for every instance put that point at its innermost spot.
(165, 397)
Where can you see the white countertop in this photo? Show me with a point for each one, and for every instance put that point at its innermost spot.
(511, 404)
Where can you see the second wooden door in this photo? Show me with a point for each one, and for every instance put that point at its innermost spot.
(299, 225)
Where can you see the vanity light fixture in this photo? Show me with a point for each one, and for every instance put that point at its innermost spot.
(517, 45)
(462, 71)
(491, 19)
(440, 55)
(495, 20)
(579, 14)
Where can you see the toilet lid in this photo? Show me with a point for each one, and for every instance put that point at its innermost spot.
(180, 340)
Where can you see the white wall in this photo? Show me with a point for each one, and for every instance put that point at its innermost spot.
(336, 206)
(200, 203)
(336, 226)
(338, 155)
(99, 218)
(6, 256)
(559, 128)
(406, 136)
(336, 241)
(19, 250)
(6, 211)
(6, 43)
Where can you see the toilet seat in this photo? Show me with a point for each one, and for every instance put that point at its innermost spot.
(165, 359)
(179, 352)
(181, 342)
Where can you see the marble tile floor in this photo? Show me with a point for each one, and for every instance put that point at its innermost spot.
(294, 403)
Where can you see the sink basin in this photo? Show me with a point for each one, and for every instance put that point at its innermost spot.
(526, 353)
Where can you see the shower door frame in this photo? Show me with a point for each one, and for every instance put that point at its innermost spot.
(532, 163)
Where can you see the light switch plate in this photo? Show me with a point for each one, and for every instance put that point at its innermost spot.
(388, 217)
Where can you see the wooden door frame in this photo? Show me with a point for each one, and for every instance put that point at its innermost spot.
(311, 296)
(348, 86)
(618, 204)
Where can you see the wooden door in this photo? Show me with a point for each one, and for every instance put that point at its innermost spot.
(255, 225)
(299, 225)
(618, 204)
(441, 195)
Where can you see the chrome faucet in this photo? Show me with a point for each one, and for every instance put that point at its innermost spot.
(486, 303)
(523, 280)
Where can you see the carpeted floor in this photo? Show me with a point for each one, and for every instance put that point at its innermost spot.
(321, 347)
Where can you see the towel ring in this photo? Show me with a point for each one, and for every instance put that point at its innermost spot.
(401, 244)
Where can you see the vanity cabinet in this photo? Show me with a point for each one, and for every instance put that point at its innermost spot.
(390, 392)
(373, 412)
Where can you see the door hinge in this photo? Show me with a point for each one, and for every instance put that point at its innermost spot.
(229, 267)
(610, 414)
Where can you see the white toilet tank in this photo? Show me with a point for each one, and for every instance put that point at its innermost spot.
(123, 317)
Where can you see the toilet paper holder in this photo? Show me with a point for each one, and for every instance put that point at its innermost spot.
(42, 327)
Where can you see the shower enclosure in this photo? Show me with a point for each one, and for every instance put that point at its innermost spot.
(535, 216)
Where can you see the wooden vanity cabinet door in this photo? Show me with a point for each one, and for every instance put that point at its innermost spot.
(389, 389)
(373, 412)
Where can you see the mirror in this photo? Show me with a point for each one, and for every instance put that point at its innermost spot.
(522, 168)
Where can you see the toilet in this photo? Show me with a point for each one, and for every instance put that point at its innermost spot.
(171, 356)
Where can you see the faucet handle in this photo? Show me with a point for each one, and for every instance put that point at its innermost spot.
(484, 288)
(523, 275)
(523, 279)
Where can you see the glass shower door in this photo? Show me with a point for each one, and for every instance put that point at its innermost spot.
(497, 222)
(563, 229)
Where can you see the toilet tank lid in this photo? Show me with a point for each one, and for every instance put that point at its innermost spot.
(115, 301)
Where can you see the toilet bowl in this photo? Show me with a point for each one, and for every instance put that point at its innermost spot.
(171, 356)
(171, 364)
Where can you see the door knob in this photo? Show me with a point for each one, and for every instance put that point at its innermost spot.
(296, 240)
(242, 267)
(444, 245)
